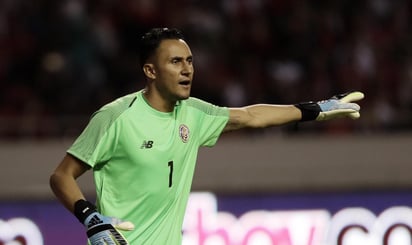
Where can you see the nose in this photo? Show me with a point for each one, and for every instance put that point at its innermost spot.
(187, 68)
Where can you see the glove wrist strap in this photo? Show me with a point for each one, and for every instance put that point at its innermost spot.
(82, 209)
(310, 110)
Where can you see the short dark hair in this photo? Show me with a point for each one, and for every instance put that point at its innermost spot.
(151, 40)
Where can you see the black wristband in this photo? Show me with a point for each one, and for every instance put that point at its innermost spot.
(82, 209)
(310, 110)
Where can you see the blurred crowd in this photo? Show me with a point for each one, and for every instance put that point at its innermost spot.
(62, 60)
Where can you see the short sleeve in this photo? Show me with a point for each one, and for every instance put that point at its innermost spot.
(97, 142)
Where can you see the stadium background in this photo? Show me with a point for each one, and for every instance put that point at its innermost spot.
(61, 60)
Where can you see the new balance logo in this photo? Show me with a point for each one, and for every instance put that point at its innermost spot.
(147, 144)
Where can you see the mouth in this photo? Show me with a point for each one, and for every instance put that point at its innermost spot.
(185, 83)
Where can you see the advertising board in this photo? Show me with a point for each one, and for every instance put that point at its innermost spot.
(366, 218)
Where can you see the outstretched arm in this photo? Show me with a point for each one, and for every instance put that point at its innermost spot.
(265, 115)
(261, 116)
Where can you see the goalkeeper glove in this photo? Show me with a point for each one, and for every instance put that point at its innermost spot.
(337, 106)
(101, 230)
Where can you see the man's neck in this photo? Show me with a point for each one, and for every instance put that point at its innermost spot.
(157, 102)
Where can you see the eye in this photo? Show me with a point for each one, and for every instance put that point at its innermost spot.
(176, 60)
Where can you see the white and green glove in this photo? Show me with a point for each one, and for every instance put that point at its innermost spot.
(101, 230)
(338, 106)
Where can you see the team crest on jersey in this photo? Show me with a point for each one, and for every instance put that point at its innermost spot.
(184, 133)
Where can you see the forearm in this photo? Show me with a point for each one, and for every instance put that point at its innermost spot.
(265, 115)
(66, 189)
(262, 115)
(100, 228)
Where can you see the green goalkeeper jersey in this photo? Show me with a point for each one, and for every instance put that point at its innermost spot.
(143, 161)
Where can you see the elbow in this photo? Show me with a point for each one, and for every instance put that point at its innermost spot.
(258, 124)
(54, 180)
(57, 180)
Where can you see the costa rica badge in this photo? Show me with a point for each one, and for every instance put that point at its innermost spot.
(184, 133)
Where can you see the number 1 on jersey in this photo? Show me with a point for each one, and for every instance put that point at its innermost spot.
(170, 164)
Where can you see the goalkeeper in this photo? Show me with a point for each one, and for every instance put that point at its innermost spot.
(142, 147)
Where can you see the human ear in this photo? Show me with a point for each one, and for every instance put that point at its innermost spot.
(149, 71)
